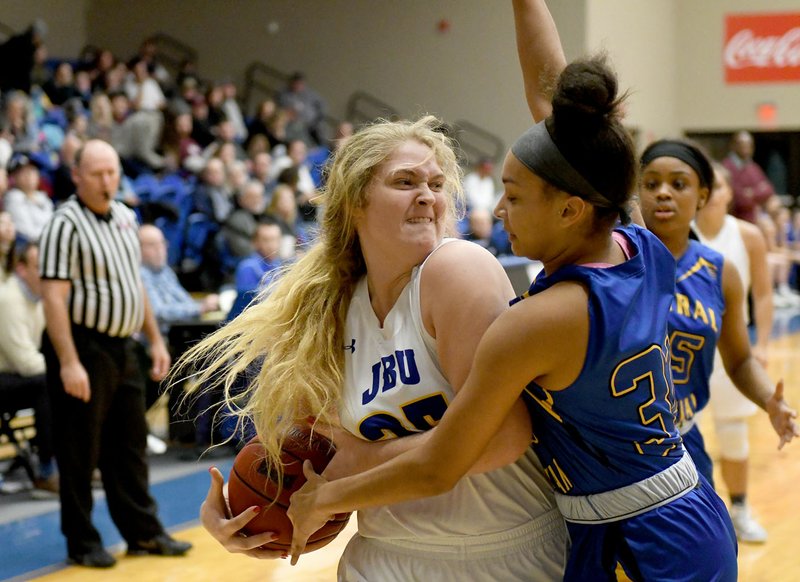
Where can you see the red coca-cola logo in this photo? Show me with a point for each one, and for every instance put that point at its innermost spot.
(762, 48)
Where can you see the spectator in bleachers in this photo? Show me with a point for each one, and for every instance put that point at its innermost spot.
(17, 57)
(237, 176)
(176, 312)
(237, 232)
(29, 207)
(212, 197)
(319, 157)
(262, 122)
(3, 177)
(135, 135)
(180, 146)
(8, 238)
(63, 186)
(261, 170)
(22, 364)
(307, 105)
(479, 229)
(258, 145)
(752, 191)
(143, 90)
(101, 117)
(115, 78)
(104, 61)
(169, 300)
(6, 151)
(479, 186)
(148, 52)
(283, 210)
(40, 72)
(77, 119)
(83, 87)
(201, 123)
(781, 257)
(225, 136)
(188, 91)
(61, 86)
(255, 271)
(19, 125)
(296, 159)
(215, 97)
(230, 107)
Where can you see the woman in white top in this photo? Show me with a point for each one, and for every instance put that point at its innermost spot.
(29, 207)
(376, 328)
(743, 244)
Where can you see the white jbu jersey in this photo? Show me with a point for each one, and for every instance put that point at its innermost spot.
(394, 387)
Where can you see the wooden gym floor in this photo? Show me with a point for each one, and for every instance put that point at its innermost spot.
(31, 547)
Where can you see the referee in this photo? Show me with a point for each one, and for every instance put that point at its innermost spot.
(93, 302)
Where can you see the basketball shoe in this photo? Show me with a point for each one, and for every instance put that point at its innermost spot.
(746, 527)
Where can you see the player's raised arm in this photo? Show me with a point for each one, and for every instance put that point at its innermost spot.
(540, 54)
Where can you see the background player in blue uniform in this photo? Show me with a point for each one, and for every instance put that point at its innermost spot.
(587, 347)
(709, 307)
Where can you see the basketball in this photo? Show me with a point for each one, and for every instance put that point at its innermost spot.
(250, 483)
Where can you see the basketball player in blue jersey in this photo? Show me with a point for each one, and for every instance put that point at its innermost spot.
(708, 310)
(375, 329)
(587, 348)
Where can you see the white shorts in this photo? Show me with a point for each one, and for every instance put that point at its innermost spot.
(726, 401)
(536, 551)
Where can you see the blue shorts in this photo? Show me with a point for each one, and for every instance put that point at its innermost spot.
(689, 539)
(696, 447)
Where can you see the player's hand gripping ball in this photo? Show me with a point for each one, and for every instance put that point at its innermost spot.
(251, 484)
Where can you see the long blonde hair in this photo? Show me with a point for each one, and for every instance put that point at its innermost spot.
(295, 329)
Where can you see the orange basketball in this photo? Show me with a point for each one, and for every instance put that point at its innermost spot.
(252, 484)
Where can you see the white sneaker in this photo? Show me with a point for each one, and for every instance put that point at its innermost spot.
(747, 528)
(789, 296)
(779, 301)
(155, 446)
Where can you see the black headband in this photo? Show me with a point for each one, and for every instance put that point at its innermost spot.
(683, 152)
(539, 153)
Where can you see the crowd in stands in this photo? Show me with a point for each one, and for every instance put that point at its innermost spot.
(195, 164)
(225, 195)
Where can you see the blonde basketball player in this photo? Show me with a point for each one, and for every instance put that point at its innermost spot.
(377, 325)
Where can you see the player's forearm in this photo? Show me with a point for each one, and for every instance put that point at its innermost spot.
(150, 325)
(406, 477)
(505, 447)
(59, 329)
(763, 313)
(540, 54)
(752, 381)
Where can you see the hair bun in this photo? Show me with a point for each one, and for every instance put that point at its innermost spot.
(586, 92)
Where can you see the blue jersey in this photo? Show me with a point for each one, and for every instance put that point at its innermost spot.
(694, 323)
(614, 425)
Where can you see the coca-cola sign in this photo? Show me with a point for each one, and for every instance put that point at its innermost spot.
(762, 47)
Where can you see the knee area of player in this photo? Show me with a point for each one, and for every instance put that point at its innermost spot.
(732, 438)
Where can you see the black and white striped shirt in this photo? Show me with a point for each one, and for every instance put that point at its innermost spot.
(100, 256)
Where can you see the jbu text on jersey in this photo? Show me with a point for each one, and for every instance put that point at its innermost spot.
(398, 367)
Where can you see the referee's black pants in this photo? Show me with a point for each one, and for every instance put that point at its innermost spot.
(108, 432)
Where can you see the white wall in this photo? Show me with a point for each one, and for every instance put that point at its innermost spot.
(704, 101)
(639, 37)
(66, 20)
(391, 49)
